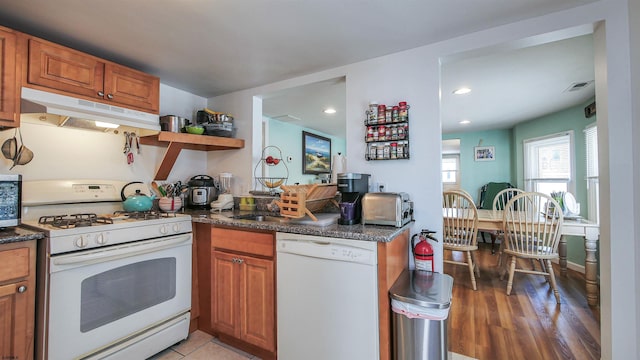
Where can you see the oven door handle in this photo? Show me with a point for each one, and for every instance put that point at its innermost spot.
(120, 252)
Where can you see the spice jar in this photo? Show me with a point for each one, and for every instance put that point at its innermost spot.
(370, 131)
(382, 113)
(372, 113)
(394, 132)
(394, 150)
(403, 111)
(400, 150)
(387, 151)
(400, 132)
(382, 133)
(395, 114)
(373, 151)
(388, 115)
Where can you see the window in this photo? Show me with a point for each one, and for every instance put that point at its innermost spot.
(593, 185)
(548, 163)
(451, 170)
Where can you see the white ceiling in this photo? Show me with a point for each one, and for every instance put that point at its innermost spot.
(214, 47)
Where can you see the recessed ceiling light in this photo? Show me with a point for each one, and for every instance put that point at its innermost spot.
(330, 111)
(462, 91)
(465, 122)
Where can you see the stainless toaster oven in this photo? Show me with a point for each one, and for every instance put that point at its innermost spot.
(387, 208)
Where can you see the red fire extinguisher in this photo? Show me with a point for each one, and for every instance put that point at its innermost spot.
(423, 251)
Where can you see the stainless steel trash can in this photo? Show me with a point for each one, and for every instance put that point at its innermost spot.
(420, 302)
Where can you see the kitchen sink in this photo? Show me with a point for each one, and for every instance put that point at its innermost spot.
(254, 217)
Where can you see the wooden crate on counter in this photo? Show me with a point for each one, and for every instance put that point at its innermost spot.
(296, 201)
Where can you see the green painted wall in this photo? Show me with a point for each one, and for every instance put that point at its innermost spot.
(568, 119)
(474, 174)
(288, 137)
(508, 166)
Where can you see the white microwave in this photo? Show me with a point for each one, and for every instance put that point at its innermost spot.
(10, 200)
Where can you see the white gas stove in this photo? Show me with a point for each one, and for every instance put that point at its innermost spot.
(114, 285)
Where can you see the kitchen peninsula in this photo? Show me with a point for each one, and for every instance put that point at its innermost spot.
(252, 243)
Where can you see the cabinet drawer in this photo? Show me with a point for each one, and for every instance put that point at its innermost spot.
(14, 264)
(249, 242)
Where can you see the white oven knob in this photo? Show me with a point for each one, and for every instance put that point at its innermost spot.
(176, 228)
(101, 239)
(164, 230)
(81, 242)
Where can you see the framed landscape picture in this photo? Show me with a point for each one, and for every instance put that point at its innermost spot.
(316, 154)
(484, 153)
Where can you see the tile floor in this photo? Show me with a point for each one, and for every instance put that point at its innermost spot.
(202, 346)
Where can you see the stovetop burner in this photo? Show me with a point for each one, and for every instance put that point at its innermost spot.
(74, 220)
(91, 219)
(143, 215)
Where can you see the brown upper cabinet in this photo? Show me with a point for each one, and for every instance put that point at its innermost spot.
(66, 71)
(9, 114)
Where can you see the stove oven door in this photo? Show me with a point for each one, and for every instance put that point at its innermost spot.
(103, 296)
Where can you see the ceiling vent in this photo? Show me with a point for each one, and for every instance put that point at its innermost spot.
(579, 86)
(286, 118)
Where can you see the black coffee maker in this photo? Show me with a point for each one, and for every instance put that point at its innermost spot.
(352, 187)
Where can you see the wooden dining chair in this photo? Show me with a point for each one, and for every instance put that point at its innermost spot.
(499, 203)
(532, 222)
(460, 229)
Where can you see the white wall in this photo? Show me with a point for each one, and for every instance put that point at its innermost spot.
(413, 76)
(65, 153)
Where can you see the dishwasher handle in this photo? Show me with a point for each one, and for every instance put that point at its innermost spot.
(327, 250)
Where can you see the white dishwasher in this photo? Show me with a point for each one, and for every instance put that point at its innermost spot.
(327, 296)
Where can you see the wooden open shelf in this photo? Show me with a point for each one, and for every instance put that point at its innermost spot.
(175, 142)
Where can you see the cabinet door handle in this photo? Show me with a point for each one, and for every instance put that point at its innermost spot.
(240, 261)
(22, 289)
(109, 96)
(100, 93)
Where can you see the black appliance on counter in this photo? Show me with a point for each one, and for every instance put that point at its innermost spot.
(202, 191)
(352, 187)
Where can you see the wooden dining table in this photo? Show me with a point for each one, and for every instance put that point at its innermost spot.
(491, 220)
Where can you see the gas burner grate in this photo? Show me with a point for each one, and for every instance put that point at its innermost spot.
(73, 220)
(144, 215)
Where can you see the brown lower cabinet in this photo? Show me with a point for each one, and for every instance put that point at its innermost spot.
(17, 299)
(236, 288)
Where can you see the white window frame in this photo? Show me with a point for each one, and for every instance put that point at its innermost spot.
(531, 182)
(592, 175)
(456, 184)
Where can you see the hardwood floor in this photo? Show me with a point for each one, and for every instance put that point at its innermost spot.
(528, 324)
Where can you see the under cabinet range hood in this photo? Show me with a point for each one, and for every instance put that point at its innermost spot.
(85, 114)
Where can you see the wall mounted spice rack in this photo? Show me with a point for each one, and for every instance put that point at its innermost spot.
(387, 131)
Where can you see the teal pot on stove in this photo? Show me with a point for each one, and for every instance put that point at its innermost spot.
(137, 201)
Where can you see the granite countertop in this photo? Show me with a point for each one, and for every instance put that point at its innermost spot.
(354, 232)
(17, 234)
